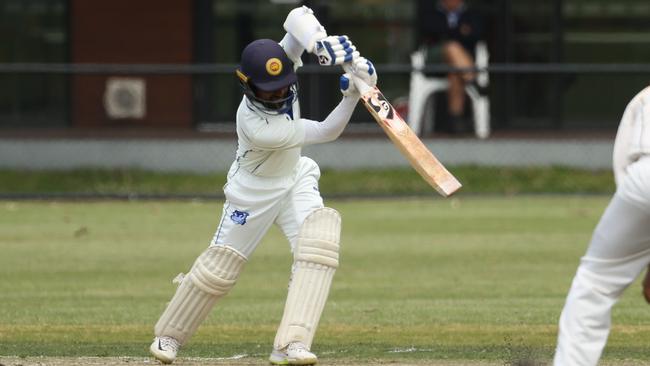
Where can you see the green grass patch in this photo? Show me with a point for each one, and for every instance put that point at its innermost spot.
(468, 278)
(475, 179)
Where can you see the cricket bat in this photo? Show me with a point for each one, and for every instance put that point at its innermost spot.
(303, 26)
(408, 143)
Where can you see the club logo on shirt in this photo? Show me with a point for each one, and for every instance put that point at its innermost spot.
(274, 66)
(239, 217)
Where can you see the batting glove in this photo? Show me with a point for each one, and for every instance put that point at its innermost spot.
(347, 86)
(335, 50)
(363, 69)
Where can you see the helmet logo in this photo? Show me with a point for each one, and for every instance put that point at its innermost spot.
(274, 66)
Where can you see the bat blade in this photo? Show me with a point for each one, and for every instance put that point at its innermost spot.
(409, 144)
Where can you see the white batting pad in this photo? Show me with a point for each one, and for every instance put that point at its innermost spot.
(315, 261)
(212, 276)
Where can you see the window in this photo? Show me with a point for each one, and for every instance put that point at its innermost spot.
(575, 31)
(33, 31)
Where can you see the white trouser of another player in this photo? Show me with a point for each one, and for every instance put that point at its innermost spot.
(618, 252)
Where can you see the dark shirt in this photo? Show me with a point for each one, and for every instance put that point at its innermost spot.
(467, 30)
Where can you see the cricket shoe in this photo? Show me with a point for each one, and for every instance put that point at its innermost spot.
(164, 349)
(295, 353)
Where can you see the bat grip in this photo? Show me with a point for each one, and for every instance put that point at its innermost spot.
(361, 85)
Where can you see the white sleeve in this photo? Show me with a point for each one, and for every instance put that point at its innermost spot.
(332, 127)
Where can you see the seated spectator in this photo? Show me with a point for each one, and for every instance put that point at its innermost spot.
(450, 32)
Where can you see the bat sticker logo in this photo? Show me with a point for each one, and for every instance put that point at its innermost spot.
(381, 106)
(386, 113)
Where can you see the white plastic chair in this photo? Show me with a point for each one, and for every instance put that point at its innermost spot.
(422, 86)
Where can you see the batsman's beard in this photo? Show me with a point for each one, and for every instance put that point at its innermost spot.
(273, 106)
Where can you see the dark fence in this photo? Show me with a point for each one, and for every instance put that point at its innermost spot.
(523, 96)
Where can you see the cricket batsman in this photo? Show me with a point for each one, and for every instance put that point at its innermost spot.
(620, 246)
(269, 183)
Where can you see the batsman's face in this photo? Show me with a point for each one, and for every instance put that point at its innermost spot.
(273, 95)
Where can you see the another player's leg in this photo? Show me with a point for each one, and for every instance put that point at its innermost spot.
(646, 286)
(456, 93)
(456, 56)
(618, 252)
(315, 261)
(212, 276)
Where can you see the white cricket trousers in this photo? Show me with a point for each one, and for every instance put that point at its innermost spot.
(254, 203)
(619, 251)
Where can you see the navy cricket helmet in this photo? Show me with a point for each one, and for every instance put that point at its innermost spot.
(266, 67)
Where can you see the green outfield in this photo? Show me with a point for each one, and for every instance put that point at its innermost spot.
(421, 280)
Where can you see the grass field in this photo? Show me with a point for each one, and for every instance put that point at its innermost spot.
(341, 183)
(422, 281)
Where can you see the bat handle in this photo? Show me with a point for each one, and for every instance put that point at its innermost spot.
(361, 85)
